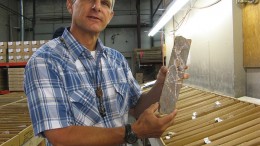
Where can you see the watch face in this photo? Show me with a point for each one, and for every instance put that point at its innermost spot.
(131, 138)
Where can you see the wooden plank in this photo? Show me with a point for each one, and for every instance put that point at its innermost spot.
(195, 100)
(190, 94)
(199, 124)
(205, 110)
(252, 142)
(251, 35)
(35, 141)
(221, 136)
(208, 119)
(14, 119)
(217, 127)
(212, 99)
(239, 137)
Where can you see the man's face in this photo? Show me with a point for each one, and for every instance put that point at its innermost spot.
(90, 15)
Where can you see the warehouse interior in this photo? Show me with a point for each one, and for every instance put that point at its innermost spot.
(223, 58)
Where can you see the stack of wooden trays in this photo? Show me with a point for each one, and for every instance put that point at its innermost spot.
(15, 123)
(151, 55)
(206, 118)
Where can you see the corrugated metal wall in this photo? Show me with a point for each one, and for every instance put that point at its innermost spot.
(50, 15)
(3, 21)
(8, 21)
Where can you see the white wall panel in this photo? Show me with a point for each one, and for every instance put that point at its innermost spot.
(212, 50)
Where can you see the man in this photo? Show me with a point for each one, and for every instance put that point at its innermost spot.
(80, 91)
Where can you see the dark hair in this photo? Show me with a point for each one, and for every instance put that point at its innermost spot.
(58, 32)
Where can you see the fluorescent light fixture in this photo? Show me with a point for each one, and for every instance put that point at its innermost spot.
(171, 10)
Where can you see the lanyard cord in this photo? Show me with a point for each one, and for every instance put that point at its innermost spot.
(99, 92)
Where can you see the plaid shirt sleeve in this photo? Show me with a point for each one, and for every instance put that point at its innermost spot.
(135, 91)
(48, 103)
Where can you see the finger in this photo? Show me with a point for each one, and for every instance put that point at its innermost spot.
(186, 76)
(154, 107)
(174, 113)
(186, 67)
(162, 74)
(164, 69)
(168, 119)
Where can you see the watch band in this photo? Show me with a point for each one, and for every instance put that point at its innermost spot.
(127, 129)
(130, 136)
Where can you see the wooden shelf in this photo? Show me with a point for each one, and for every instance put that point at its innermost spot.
(13, 64)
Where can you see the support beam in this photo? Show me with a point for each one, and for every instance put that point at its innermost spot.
(21, 21)
(157, 8)
(151, 21)
(138, 24)
(34, 18)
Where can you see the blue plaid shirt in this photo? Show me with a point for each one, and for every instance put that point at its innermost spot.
(60, 83)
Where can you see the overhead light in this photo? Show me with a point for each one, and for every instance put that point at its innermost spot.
(171, 10)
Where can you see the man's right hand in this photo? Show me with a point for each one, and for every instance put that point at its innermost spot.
(150, 125)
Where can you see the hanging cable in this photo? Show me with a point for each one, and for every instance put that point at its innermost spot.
(210, 5)
(179, 24)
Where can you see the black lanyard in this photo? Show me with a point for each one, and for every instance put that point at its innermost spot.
(99, 91)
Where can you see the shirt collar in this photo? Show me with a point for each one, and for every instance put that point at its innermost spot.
(76, 49)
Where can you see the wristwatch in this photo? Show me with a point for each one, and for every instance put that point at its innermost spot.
(130, 136)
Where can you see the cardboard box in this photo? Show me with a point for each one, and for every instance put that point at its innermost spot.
(11, 44)
(34, 49)
(11, 58)
(27, 44)
(19, 58)
(42, 42)
(35, 44)
(18, 50)
(27, 50)
(19, 44)
(3, 45)
(11, 51)
(3, 51)
(26, 57)
(2, 58)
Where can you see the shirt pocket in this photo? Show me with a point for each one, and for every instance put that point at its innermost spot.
(84, 107)
(122, 97)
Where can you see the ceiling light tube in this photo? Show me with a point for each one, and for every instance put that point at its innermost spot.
(171, 10)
